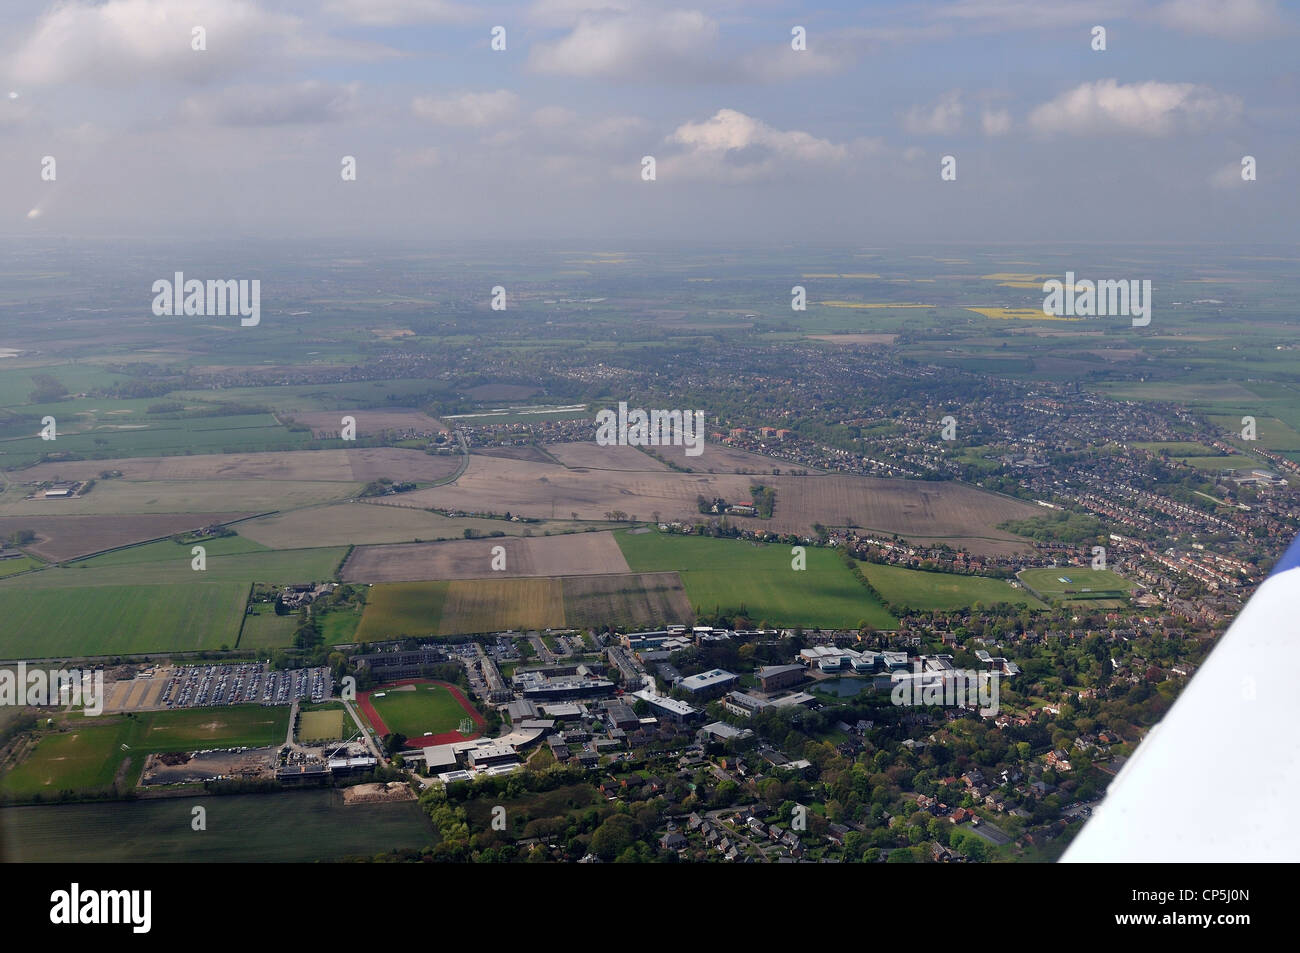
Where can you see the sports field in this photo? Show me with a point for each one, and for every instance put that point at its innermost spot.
(737, 575)
(938, 590)
(90, 754)
(1074, 584)
(76, 621)
(322, 724)
(414, 709)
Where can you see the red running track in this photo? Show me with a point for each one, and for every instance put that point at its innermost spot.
(424, 741)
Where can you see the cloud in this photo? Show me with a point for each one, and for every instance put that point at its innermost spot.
(1151, 109)
(251, 105)
(395, 12)
(662, 47)
(733, 146)
(1003, 15)
(1228, 177)
(995, 122)
(941, 119)
(568, 12)
(1238, 18)
(126, 41)
(467, 109)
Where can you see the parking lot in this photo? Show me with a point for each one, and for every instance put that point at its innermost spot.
(249, 684)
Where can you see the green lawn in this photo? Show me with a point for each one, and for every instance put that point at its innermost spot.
(428, 708)
(736, 574)
(938, 590)
(111, 620)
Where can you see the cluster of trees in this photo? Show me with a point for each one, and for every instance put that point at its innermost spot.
(764, 499)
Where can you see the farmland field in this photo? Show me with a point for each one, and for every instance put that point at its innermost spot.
(402, 608)
(736, 575)
(947, 512)
(412, 710)
(569, 554)
(937, 590)
(486, 605)
(77, 621)
(628, 599)
(341, 524)
(166, 561)
(494, 605)
(297, 826)
(60, 537)
(118, 497)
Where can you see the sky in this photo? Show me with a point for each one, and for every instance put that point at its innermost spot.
(752, 140)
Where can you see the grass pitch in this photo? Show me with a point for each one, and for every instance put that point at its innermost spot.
(1073, 584)
(412, 710)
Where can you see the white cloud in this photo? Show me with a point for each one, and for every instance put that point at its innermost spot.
(467, 109)
(731, 145)
(998, 15)
(126, 41)
(251, 105)
(568, 12)
(1237, 18)
(395, 12)
(941, 119)
(549, 117)
(995, 122)
(663, 47)
(1151, 108)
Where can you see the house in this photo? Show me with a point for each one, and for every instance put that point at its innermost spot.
(673, 840)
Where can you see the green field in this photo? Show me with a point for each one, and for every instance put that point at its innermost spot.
(295, 826)
(81, 621)
(414, 710)
(937, 590)
(130, 432)
(402, 607)
(339, 626)
(1083, 585)
(171, 562)
(90, 753)
(738, 575)
(9, 567)
(263, 629)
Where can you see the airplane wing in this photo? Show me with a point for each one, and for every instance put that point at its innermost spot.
(1216, 779)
